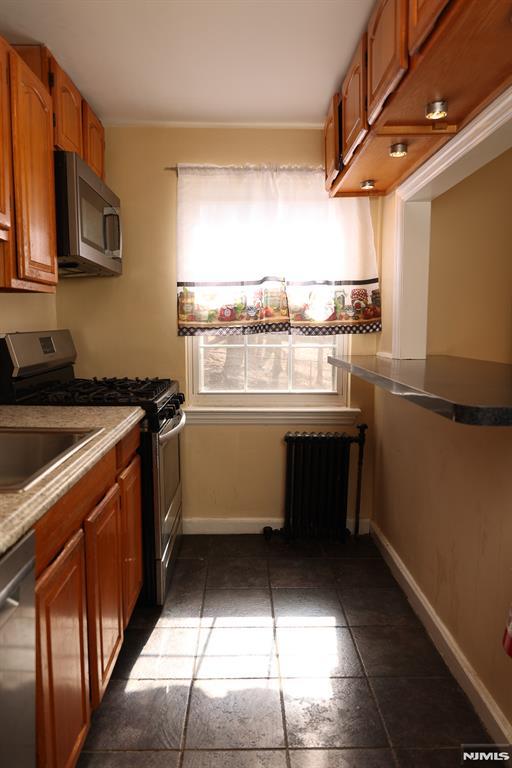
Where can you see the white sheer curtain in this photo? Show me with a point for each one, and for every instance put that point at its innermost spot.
(266, 250)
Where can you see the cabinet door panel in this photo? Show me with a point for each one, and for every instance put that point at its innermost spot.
(67, 105)
(422, 17)
(37, 57)
(62, 673)
(104, 590)
(34, 192)
(5, 139)
(332, 142)
(354, 126)
(93, 140)
(387, 52)
(131, 526)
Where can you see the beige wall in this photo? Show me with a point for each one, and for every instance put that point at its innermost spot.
(387, 244)
(127, 326)
(442, 490)
(470, 284)
(27, 312)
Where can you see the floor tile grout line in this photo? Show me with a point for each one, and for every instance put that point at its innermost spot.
(183, 742)
(375, 700)
(281, 694)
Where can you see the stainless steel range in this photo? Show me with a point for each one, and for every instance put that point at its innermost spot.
(36, 368)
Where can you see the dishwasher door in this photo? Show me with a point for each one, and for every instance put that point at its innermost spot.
(18, 655)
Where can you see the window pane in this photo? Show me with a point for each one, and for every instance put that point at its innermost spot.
(266, 339)
(267, 369)
(222, 369)
(310, 370)
(222, 341)
(313, 341)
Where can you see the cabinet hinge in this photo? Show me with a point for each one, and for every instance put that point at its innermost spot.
(51, 79)
(54, 120)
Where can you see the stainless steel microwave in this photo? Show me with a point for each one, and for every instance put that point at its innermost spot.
(88, 220)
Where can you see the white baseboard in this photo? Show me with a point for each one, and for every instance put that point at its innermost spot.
(197, 525)
(488, 710)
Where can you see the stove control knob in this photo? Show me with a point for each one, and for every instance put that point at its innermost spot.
(169, 411)
(181, 397)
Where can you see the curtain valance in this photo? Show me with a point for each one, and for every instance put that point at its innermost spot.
(267, 251)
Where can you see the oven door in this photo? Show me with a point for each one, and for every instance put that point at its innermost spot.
(167, 495)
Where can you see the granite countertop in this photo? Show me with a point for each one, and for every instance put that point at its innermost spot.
(20, 510)
(467, 391)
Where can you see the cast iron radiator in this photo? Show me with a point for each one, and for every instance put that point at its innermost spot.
(317, 472)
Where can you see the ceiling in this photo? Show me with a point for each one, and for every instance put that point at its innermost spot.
(197, 61)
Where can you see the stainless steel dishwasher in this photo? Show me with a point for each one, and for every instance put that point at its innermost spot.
(18, 655)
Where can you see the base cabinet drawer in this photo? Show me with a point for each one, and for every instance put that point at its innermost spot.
(63, 710)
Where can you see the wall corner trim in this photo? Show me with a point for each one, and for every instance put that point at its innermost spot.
(465, 674)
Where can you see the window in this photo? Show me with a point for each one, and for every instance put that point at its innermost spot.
(267, 369)
(272, 277)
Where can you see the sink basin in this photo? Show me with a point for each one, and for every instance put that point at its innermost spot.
(27, 455)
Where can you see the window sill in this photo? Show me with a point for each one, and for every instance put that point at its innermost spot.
(340, 416)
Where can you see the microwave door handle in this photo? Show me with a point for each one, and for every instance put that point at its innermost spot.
(112, 214)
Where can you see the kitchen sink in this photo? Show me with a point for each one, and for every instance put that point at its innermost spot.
(27, 455)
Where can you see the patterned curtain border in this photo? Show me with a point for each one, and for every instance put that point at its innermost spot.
(317, 308)
(302, 330)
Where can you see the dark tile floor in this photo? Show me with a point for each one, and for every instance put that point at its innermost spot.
(268, 655)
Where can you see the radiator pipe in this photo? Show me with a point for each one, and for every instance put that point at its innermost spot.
(361, 440)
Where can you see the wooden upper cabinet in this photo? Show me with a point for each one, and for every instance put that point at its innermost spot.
(131, 525)
(93, 140)
(34, 192)
(422, 17)
(104, 590)
(67, 105)
(37, 57)
(5, 145)
(332, 142)
(354, 125)
(62, 676)
(387, 52)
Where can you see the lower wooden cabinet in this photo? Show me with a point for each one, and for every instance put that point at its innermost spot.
(131, 526)
(104, 590)
(89, 568)
(63, 710)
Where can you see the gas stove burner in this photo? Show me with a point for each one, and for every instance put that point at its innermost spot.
(105, 391)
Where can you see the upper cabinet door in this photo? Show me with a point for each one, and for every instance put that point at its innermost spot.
(422, 17)
(5, 144)
(387, 52)
(354, 125)
(93, 140)
(34, 191)
(37, 57)
(332, 142)
(67, 105)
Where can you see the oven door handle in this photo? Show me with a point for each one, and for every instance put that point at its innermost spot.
(168, 433)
